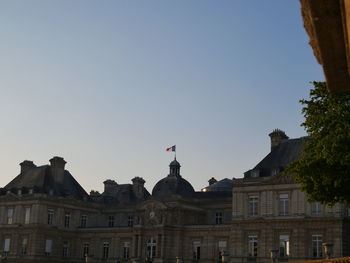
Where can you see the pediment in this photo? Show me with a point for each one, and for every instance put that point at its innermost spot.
(151, 205)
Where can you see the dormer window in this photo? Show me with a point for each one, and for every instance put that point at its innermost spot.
(255, 173)
(130, 220)
(218, 218)
(19, 191)
(274, 171)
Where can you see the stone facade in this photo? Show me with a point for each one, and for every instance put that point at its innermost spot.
(276, 213)
(45, 216)
(41, 223)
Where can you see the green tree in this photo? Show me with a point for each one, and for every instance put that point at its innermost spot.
(323, 169)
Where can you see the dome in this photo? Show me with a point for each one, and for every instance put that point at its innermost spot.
(173, 184)
(224, 185)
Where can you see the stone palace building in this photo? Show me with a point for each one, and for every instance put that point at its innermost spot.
(46, 216)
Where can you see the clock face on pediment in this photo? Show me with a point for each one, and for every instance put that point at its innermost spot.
(153, 213)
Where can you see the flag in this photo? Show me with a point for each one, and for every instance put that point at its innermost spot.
(171, 149)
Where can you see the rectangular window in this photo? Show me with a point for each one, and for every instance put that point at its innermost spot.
(126, 250)
(65, 251)
(86, 248)
(9, 216)
(50, 214)
(66, 220)
(111, 221)
(130, 220)
(284, 246)
(27, 215)
(315, 208)
(255, 173)
(7, 243)
(105, 250)
(283, 204)
(48, 247)
(218, 218)
(196, 250)
(24, 246)
(83, 221)
(317, 246)
(252, 246)
(253, 205)
(222, 247)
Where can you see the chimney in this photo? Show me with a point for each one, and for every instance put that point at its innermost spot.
(57, 169)
(277, 136)
(26, 166)
(110, 186)
(212, 181)
(138, 187)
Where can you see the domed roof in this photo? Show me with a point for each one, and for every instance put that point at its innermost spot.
(173, 184)
(224, 185)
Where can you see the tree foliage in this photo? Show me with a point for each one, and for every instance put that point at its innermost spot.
(323, 169)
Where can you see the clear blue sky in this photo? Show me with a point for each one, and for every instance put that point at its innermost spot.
(108, 85)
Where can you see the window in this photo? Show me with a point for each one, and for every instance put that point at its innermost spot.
(283, 204)
(50, 214)
(86, 248)
(253, 205)
(83, 221)
(65, 251)
(26, 215)
(7, 243)
(9, 216)
(31, 191)
(151, 248)
(284, 246)
(19, 192)
(126, 250)
(222, 245)
(111, 221)
(24, 246)
(130, 220)
(252, 246)
(48, 247)
(196, 250)
(317, 246)
(315, 208)
(255, 173)
(218, 218)
(105, 250)
(66, 219)
(275, 171)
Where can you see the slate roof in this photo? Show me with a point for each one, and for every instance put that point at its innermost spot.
(40, 179)
(279, 157)
(224, 185)
(172, 184)
(123, 193)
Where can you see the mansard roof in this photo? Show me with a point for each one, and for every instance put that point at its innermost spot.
(41, 179)
(123, 193)
(279, 157)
